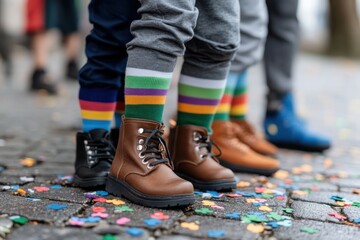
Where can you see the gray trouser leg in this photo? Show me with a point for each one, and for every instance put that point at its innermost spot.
(253, 30)
(281, 46)
(160, 33)
(216, 39)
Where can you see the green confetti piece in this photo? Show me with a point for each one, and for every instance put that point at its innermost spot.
(309, 230)
(265, 195)
(19, 220)
(110, 237)
(123, 209)
(254, 218)
(275, 216)
(288, 210)
(204, 211)
(356, 204)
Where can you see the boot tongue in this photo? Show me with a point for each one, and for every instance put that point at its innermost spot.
(97, 134)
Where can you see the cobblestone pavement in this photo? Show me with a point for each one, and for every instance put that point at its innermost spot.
(313, 196)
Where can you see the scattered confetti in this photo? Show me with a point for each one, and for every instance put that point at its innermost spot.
(41, 189)
(135, 232)
(152, 222)
(123, 221)
(215, 234)
(288, 210)
(255, 228)
(102, 193)
(101, 215)
(337, 216)
(265, 209)
(26, 179)
(56, 187)
(234, 215)
(190, 225)
(243, 184)
(21, 191)
(299, 192)
(208, 203)
(204, 211)
(103, 200)
(160, 216)
(56, 206)
(98, 209)
(28, 162)
(281, 174)
(309, 230)
(19, 220)
(116, 202)
(123, 209)
(109, 237)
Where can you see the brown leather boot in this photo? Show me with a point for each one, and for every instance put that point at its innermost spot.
(193, 160)
(141, 170)
(248, 136)
(236, 155)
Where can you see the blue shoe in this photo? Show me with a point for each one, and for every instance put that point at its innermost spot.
(285, 130)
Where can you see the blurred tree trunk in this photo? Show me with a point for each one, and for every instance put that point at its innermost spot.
(344, 28)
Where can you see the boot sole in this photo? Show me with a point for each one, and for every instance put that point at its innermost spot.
(120, 188)
(220, 185)
(90, 182)
(301, 147)
(242, 169)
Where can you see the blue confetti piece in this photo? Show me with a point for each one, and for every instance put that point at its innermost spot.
(92, 219)
(56, 206)
(135, 232)
(259, 214)
(257, 204)
(215, 234)
(234, 215)
(357, 220)
(198, 193)
(273, 224)
(152, 222)
(14, 187)
(102, 193)
(33, 199)
(214, 194)
(56, 187)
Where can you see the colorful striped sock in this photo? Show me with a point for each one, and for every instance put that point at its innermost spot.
(223, 111)
(198, 100)
(145, 93)
(120, 108)
(97, 108)
(239, 102)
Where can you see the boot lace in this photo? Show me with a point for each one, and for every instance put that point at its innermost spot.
(100, 149)
(153, 151)
(205, 142)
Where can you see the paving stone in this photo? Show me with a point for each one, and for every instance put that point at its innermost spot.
(348, 183)
(324, 197)
(316, 186)
(352, 212)
(45, 232)
(41, 170)
(138, 215)
(314, 211)
(232, 229)
(176, 237)
(328, 231)
(68, 194)
(11, 161)
(36, 210)
(103, 228)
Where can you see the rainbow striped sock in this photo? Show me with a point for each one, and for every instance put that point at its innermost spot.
(97, 108)
(223, 111)
(239, 102)
(198, 100)
(145, 93)
(120, 108)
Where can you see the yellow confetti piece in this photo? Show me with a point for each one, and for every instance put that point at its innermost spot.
(28, 162)
(21, 191)
(250, 200)
(208, 203)
(265, 209)
(281, 174)
(116, 202)
(243, 184)
(340, 203)
(296, 170)
(190, 225)
(255, 228)
(299, 192)
(268, 191)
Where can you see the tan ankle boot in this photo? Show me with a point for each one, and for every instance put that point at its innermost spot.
(248, 136)
(236, 155)
(191, 154)
(141, 170)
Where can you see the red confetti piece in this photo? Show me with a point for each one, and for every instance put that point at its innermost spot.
(99, 200)
(280, 198)
(160, 216)
(41, 189)
(337, 216)
(98, 209)
(260, 189)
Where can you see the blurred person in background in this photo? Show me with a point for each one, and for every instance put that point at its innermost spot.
(42, 16)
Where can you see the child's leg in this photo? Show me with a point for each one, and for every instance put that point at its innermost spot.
(100, 81)
(141, 170)
(239, 104)
(201, 85)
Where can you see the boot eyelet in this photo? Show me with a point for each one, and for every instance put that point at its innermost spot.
(141, 155)
(89, 152)
(196, 136)
(149, 167)
(85, 142)
(140, 131)
(143, 162)
(139, 147)
(197, 148)
(202, 155)
(141, 141)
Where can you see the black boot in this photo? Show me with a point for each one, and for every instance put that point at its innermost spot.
(94, 155)
(40, 81)
(114, 136)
